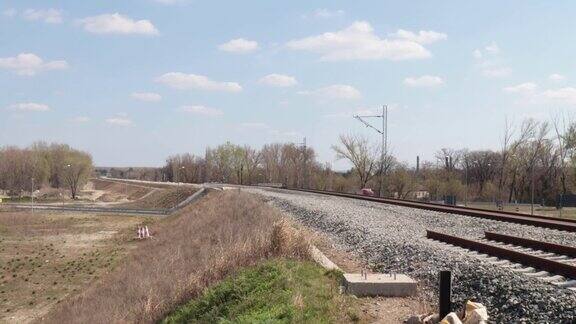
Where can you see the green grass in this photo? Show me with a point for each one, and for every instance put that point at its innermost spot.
(277, 291)
(17, 199)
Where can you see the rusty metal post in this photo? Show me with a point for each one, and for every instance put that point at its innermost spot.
(445, 293)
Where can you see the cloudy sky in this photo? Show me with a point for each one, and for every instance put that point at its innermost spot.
(134, 81)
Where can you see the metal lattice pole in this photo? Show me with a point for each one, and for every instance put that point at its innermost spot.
(384, 133)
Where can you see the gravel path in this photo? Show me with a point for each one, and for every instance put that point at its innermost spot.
(392, 239)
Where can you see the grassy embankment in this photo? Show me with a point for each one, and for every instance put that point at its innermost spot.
(280, 290)
(141, 196)
(195, 249)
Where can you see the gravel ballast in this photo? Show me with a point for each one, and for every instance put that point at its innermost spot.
(392, 239)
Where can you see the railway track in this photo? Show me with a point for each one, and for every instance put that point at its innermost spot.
(550, 262)
(519, 218)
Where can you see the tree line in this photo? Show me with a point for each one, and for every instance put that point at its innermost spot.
(288, 164)
(24, 170)
(536, 159)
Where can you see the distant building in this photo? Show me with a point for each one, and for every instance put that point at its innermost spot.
(421, 194)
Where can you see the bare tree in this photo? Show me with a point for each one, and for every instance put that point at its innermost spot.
(28, 169)
(562, 128)
(402, 181)
(252, 162)
(360, 153)
(527, 131)
(76, 172)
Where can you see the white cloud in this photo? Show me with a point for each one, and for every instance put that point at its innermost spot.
(358, 42)
(146, 96)
(184, 81)
(263, 128)
(254, 125)
(529, 94)
(29, 106)
(29, 64)
(522, 88)
(423, 36)
(492, 48)
(556, 77)
(11, 12)
(289, 134)
(202, 110)
(326, 13)
(425, 81)
(335, 92)
(51, 16)
(278, 80)
(565, 95)
(362, 111)
(239, 45)
(490, 64)
(80, 119)
(119, 120)
(118, 24)
(350, 114)
(477, 54)
(496, 72)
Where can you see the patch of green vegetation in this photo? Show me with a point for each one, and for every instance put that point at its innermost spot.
(277, 291)
(16, 199)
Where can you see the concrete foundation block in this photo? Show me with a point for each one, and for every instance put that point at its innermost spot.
(379, 284)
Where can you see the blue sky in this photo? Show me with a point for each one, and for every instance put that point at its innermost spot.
(135, 81)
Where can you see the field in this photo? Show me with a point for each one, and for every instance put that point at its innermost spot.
(47, 257)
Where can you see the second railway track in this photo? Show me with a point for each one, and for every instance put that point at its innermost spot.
(563, 224)
(550, 262)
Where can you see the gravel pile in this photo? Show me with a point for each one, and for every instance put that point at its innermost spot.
(392, 239)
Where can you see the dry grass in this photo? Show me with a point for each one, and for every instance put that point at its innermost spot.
(162, 199)
(116, 191)
(189, 252)
(45, 257)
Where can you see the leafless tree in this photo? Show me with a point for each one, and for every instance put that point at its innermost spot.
(76, 172)
(358, 151)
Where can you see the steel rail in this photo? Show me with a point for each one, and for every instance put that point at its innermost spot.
(533, 244)
(515, 256)
(534, 220)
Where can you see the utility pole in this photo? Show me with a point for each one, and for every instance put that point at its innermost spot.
(305, 166)
(532, 191)
(384, 133)
(32, 194)
(180, 174)
(466, 179)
